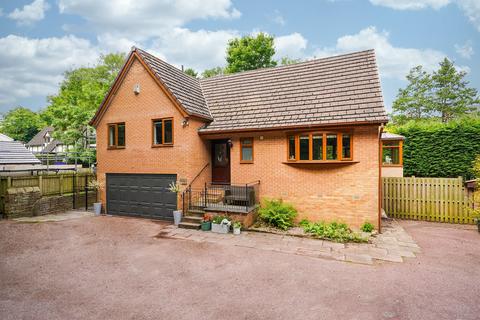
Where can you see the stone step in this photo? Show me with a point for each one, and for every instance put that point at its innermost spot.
(192, 219)
(189, 225)
(196, 211)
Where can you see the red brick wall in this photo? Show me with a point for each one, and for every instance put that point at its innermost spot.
(188, 154)
(341, 192)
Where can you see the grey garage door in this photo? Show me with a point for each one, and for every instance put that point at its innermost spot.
(143, 195)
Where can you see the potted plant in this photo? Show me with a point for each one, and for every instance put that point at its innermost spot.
(97, 186)
(237, 225)
(207, 222)
(177, 214)
(221, 224)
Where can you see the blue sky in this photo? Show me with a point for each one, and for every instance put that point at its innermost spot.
(40, 39)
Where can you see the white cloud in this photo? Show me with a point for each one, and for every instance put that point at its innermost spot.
(411, 4)
(394, 62)
(143, 19)
(471, 8)
(34, 67)
(466, 51)
(292, 46)
(30, 13)
(278, 18)
(194, 49)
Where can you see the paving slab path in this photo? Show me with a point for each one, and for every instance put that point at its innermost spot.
(393, 245)
(68, 215)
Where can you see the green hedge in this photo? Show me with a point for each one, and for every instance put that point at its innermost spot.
(434, 149)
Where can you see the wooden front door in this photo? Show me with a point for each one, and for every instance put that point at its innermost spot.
(220, 161)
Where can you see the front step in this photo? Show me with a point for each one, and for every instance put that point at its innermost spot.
(193, 220)
(189, 225)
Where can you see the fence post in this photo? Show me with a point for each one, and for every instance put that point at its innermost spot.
(74, 187)
(40, 183)
(61, 184)
(86, 192)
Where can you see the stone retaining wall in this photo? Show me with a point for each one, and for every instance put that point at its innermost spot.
(28, 202)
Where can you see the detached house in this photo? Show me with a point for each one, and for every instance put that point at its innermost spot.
(308, 133)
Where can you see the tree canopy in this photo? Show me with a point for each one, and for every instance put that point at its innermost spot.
(213, 72)
(20, 124)
(191, 72)
(250, 53)
(444, 94)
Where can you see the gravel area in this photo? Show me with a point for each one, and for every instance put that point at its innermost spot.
(115, 268)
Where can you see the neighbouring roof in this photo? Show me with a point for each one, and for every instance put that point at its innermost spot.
(13, 152)
(51, 146)
(186, 89)
(4, 137)
(39, 138)
(338, 90)
(391, 136)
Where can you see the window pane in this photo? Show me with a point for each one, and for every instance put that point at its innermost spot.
(304, 147)
(391, 143)
(168, 131)
(291, 148)
(121, 135)
(246, 141)
(247, 153)
(331, 147)
(317, 152)
(111, 135)
(158, 132)
(391, 156)
(346, 152)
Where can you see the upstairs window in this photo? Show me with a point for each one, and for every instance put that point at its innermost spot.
(116, 135)
(319, 146)
(392, 153)
(162, 132)
(246, 150)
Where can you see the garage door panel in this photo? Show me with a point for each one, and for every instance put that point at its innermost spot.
(141, 195)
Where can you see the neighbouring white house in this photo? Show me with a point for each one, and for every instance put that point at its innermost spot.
(44, 142)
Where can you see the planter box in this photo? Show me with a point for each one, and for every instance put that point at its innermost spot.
(206, 226)
(220, 228)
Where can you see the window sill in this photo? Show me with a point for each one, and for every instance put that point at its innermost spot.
(321, 162)
(162, 145)
(115, 148)
(392, 165)
(246, 162)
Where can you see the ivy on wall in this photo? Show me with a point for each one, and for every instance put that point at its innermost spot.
(434, 149)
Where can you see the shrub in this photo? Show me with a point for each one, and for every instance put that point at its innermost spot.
(367, 227)
(338, 232)
(277, 214)
(434, 149)
(218, 219)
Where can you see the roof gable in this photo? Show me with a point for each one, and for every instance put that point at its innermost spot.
(182, 89)
(39, 138)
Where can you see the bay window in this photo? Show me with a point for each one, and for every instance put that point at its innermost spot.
(319, 146)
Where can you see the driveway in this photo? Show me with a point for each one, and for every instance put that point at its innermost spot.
(115, 268)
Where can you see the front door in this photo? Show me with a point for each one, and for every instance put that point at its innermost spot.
(220, 161)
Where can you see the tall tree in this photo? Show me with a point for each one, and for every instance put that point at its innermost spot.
(444, 93)
(191, 72)
(212, 72)
(287, 60)
(79, 96)
(451, 95)
(414, 101)
(249, 53)
(20, 124)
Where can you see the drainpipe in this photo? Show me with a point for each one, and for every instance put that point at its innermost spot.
(380, 131)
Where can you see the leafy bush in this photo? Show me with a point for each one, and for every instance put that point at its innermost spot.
(338, 232)
(435, 149)
(367, 227)
(218, 219)
(277, 214)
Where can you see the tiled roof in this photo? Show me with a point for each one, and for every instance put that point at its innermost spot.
(186, 89)
(51, 146)
(13, 152)
(4, 137)
(391, 136)
(38, 139)
(334, 90)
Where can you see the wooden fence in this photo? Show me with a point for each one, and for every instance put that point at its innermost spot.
(429, 199)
